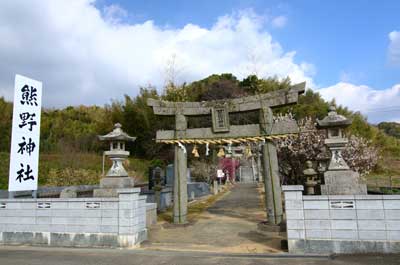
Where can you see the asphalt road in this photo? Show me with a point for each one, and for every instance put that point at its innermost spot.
(19, 255)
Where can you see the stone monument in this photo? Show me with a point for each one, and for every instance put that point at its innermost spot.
(116, 177)
(157, 186)
(339, 179)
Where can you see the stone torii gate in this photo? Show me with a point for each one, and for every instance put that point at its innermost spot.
(265, 131)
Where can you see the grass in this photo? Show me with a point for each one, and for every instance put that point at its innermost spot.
(73, 168)
(387, 174)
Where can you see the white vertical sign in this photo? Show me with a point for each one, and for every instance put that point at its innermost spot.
(220, 173)
(24, 155)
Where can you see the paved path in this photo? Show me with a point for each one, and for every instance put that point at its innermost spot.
(73, 256)
(230, 225)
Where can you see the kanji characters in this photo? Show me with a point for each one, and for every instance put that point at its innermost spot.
(23, 172)
(27, 147)
(29, 95)
(24, 155)
(27, 118)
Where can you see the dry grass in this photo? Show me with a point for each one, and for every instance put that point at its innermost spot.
(387, 174)
(195, 208)
(73, 168)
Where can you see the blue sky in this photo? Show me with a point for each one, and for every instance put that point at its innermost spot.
(344, 39)
(94, 51)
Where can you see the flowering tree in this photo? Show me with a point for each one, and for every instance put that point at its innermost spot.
(229, 167)
(295, 150)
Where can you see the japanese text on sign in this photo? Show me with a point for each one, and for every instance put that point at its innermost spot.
(24, 158)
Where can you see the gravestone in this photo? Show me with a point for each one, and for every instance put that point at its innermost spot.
(154, 174)
(189, 175)
(169, 180)
(158, 179)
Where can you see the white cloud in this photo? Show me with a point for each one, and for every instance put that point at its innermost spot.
(85, 56)
(394, 47)
(279, 22)
(352, 77)
(114, 14)
(377, 105)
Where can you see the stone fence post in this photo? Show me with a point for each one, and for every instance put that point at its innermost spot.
(131, 217)
(294, 217)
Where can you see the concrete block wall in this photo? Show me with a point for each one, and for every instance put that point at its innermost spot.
(342, 223)
(197, 189)
(151, 214)
(246, 174)
(165, 199)
(118, 222)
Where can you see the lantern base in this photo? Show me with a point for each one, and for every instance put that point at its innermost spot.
(105, 193)
(344, 182)
(109, 186)
(116, 183)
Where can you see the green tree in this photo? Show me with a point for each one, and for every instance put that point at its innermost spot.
(390, 128)
(5, 124)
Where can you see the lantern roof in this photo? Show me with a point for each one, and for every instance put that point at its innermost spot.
(117, 134)
(333, 120)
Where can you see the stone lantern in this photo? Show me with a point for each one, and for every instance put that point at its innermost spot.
(335, 140)
(116, 177)
(311, 176)
(323, 159)
(339, 179)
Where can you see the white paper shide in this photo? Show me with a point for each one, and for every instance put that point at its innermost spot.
(24, 155)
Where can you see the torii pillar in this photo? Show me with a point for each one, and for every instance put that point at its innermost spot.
(273, 197)
(180, 173)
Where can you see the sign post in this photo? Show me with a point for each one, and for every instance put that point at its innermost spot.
(24, 154)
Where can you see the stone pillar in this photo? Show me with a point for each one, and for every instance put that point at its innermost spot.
(233, 170)
(180, 170)
(259, 167)
(295, 227)
(131, 217)
(269, 161)
(215, 187)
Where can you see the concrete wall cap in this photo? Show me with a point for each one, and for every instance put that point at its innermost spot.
(292, 188)
(390, 197)
(315, 198)
(341, 197)
(20, 200)
(128, 190)
(55, 200)
(150, 206)
(370, 197)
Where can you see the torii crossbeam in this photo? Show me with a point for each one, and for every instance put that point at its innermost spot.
(221, 129)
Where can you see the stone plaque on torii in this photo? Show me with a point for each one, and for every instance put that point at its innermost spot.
(222, 132)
